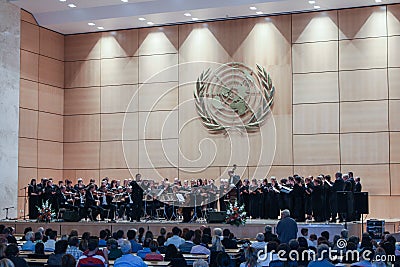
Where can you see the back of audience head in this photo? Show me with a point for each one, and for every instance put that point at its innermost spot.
(85, 236)
(93, 243)
(302, 242)
(73, 233)
(112, 243)
(73, 241)
(322, 251)
(153, 246)
(293, 244)
(344, 234)
(146, 242)
(304, 231)
(3, 250)
(272, 246)
(131, 234)
(120, 234)
(53, 235)
(176, 231)
(149, 234)
(103, 234)
(61, 247)
(125, 246)
(171, 252)
(12, 250)
(189, 236)
(251, 257)
(30, 236)
(163, 231)
(39, 248)
(68, 261)
(260, 237)
(325, 234)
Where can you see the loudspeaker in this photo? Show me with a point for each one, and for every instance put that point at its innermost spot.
(216, 216)
(361, 203)
(71, 216)
(345, 202)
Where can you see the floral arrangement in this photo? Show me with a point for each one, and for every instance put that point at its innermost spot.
(45, 212)
(235, 214)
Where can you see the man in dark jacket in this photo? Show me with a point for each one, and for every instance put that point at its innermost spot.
(337, 186)
(286, 227)
(12, 253)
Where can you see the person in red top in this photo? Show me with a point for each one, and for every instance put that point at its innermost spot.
(92, 258)
(154, 255)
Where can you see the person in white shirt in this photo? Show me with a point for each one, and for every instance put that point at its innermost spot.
(260, 243)
(176, 240)
(50, 244)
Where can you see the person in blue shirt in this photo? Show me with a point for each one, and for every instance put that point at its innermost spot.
(102, 240)
(286, 228)
(29, 245)
(128, 259)
(323, 257)
(135, 246)
(146, 249)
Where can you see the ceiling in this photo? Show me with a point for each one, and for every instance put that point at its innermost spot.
(116, 14)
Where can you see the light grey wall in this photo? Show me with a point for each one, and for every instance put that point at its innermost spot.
(9, 105)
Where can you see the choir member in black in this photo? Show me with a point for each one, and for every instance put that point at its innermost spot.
(274, 196)
(348, 186)
(69, 187)
(308, 189)
(91, 203)
(244, 195)
(34, 196)
(79, 201)
(137, 198)
(327, 195)
(128, 203)
(351, 179)
(265, 198)
(298, 200)
(357, 186)
(285, 197)
(50, 194)
(223, 195)
(106, 204)
(337, 186)
(254, 199)
(234, 180)
(317, 200)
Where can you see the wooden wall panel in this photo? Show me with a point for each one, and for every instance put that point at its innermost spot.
(362, 22)
(24, 177)
(382, 207)
(315, 87)
(29, 66)
(158, 153)
(393, 19)
(82, 101)
(51, 71)
(153, 97)
(395, 179)
(395, 147)
(316, 118)
(113, 126)
(158, 40)
(119, 71)
(50, 155)
(119, 44)
(394, 83)
(123, 98)
(29, 37)
(28, 123)
(57, 175)
(393, 51)
(313, 52)
(284, 147)
(82, 73)
(363, 85)
(50, 127)
(364, 148)
(84, 155)
(81, 128)
(394, 111)
(27, 152)
(118, 174)
(316, 149)
(158, 68)
(52, 44)
(158, 125)
(51, 99)
(82, 46)
(366, 116)
(29, 94)
(363, 53)
(315, 27)
(158, 174)
(199, 173)
(262, 172)
(88, 174)
(119, 154)
(26, 16)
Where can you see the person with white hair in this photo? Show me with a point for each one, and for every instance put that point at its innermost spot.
(29, 245)
(260, 243)
(286, 227)
(128, 259)
(216, 243)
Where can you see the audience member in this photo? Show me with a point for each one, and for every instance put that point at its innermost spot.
(200, 263)
(12, 253)
(186, 247)
(113, 251)
(322, 257)
(260, 243)
(175, 257)
(92, 258)
(59, 251)
(202, 248)
(154, 255)
(128, 259)
(73, 247)
(162, 238)
(227, 241)
(29, 245)
(286, 227)
(50, 244)
(251, 257)
(146, 249)
(103, 237)
(6, 263)
(131, 235)
(175, 240)
(68, 261)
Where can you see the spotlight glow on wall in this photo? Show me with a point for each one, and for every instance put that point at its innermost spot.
(311, 2)
(252, 8)
(71, 5)
(91, 24)
(187, 14)
(141, 19)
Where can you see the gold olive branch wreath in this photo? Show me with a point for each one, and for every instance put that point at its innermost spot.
(258, 117)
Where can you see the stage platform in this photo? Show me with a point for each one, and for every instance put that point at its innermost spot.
(250, 230)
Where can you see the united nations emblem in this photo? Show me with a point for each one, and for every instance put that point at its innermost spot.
(234, 96)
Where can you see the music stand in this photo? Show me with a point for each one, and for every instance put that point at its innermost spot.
(194, 217)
